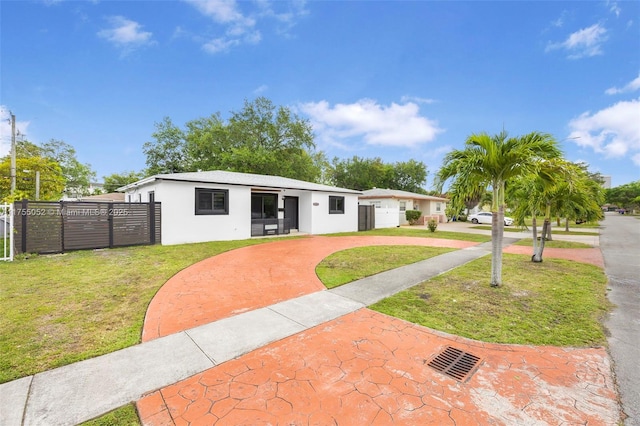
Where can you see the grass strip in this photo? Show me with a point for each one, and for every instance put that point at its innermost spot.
(553, 244)
(353, 264)
(123, 416)
(418, 232)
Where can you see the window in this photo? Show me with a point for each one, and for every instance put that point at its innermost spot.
(403, 206)
(152, 196)
(336, 205)
(438, 207)
(212, 201)
(264, 206)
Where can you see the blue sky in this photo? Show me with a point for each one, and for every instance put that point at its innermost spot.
(398, 80)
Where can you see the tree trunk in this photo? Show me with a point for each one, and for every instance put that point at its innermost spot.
(548, 235)
(497, 233)
(535, 236)
(566, 224)
(545, 226)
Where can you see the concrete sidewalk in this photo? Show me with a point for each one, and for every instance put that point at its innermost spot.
(81, 391)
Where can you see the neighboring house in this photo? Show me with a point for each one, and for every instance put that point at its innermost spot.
(391, 206)
(219, 205)
(112, 197)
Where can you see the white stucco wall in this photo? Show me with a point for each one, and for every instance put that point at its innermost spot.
(324, 223)
(181, 225)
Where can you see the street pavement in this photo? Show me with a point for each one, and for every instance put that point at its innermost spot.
(620, 245)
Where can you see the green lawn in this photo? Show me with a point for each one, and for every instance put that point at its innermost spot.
(554, 231)
(351, 265)
(557, 302)
(553, 244)
(420, 232)
(64, 308)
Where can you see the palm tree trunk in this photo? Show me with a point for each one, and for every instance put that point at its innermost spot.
(535, 236)
(546, 227)
(497, 233)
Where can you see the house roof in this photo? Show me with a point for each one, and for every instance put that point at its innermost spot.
(395, 193)
(242, 179)
(112, 196)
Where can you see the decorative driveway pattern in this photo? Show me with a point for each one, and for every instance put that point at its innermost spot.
(363, 368)
(253, 277)
(366, 368)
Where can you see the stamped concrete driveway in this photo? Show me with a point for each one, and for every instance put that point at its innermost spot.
(362, 368)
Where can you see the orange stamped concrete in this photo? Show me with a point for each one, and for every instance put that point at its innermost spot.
(252, 277)
(364, 368)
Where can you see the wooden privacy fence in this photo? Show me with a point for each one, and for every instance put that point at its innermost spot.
(56, 227)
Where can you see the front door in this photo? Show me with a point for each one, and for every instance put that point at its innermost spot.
(291, 211)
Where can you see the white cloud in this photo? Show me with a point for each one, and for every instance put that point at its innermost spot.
(126, 34)
(5, 130)
(583, 43)
(241, 28)
(393, 125)
(261, 89)
(632, 86)
(417, 99)
(614, 8)
(613, 131)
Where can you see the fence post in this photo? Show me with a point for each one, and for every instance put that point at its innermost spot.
(63, 214)
(110, 221)
(152, 222)
(24, 211)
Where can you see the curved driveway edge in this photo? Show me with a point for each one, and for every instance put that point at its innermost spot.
(253, 277)
(368, 368)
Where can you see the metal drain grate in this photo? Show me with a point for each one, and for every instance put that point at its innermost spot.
(455, 363)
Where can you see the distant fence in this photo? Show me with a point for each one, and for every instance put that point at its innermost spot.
(6, 234)
(56, 227)
(366, 217)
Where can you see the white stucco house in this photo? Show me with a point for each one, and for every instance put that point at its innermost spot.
(220, 205)
(392, 204)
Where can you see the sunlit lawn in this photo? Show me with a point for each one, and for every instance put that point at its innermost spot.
(64, 308)
(557, 302)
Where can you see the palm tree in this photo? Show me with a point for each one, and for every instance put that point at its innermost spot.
(493, 161)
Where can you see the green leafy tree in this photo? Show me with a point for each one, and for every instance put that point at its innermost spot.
(78, 176)
(359, 173)
(260, 138)
(115, 180)
(270, 140)
(52, 181)
(493, 161)
(409, 176)
(167, 153)
(367, 173)
(626, 196)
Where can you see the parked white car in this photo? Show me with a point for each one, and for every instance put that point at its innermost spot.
(485, 217)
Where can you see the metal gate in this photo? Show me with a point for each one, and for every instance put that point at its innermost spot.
(6, 231)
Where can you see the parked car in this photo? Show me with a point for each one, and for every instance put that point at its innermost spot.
(485, 217)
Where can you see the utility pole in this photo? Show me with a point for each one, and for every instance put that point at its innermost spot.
(13, 153)
(37, 185)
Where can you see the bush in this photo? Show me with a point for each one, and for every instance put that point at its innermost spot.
(462, 218)
(413, 216)
(432, 224)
